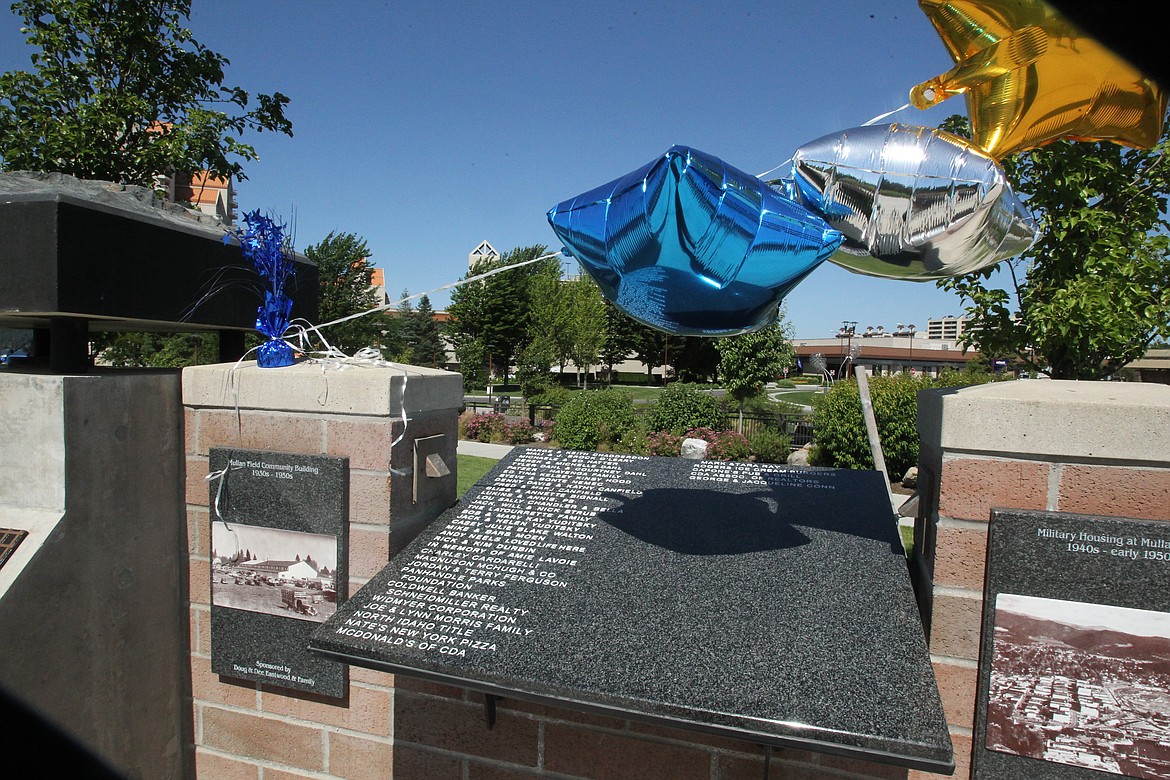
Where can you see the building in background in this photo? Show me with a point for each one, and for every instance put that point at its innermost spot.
(904, 350)
(209, 194)
(948, 328)
(378, 285)
(483, 253)
(1153, 367)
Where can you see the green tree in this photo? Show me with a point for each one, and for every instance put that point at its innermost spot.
(697, 360)
(157, 350)
(619, 339)
(567, 322)
(532, 372)
(1094, 291)
(423, 332)
(120, 90)
(548, 326)
(473, 361)
(585, 329)
(342, 261)
(649, 346)
(748, 361)
(405, 318)
(489, 319)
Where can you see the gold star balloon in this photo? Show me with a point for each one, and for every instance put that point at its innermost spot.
(1032, 77)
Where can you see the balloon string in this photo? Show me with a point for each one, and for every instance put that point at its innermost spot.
(219, 477)
(880, 117)
(301, 337)
(459, 283)
(773, 168)
(877, 118)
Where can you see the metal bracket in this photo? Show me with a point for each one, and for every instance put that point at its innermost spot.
(435, 466)
(428, 468)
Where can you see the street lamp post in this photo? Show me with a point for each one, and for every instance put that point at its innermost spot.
(911, 328)
(848, 328)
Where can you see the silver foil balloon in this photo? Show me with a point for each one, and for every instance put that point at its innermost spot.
(913, 202)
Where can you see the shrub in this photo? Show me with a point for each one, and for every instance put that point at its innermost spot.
(492, 427)
(484, 427)
(519, 432)
(661, 443)
(664, 443)
(770, 446)
(681, 407)
(633, 442)
(554, 395)
(722, 445)
(593, 419)
(839, 427)
(632, 378)
(785, 383)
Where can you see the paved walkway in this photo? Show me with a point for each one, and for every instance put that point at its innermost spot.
(482, 450)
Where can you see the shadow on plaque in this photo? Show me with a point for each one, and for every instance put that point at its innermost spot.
(702, 522)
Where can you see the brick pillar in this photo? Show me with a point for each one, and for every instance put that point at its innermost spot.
(1088, 447)
(245, 729)
(402, 728)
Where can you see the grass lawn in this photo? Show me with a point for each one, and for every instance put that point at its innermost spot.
(471, 469)
(907, 534)
(806, 397)
(640, 392)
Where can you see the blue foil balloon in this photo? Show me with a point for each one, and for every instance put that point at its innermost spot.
(692, 246)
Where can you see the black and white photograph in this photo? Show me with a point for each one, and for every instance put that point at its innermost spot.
(274, 571)
(1081, 684)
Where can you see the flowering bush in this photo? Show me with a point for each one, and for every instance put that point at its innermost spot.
(663, 443)
(484, 427)
(518, 433)
(722, 445)
(492, 427)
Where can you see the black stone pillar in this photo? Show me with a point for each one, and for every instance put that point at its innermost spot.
(68, 345)
(231, 345)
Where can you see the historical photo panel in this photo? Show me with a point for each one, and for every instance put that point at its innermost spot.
(1081, 684)
(271, 570)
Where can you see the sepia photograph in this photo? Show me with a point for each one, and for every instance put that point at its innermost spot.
(271, 570)
(1081, 684)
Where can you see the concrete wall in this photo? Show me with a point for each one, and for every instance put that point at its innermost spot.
(92, 620)
(1089, 447)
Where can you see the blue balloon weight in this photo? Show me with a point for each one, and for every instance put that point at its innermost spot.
(692, 246)
(263, 243)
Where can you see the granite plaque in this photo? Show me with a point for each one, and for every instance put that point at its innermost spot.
(760, 602)
(278, 565)
(1074, 671)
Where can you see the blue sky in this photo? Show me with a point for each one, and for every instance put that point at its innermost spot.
(427, 127)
